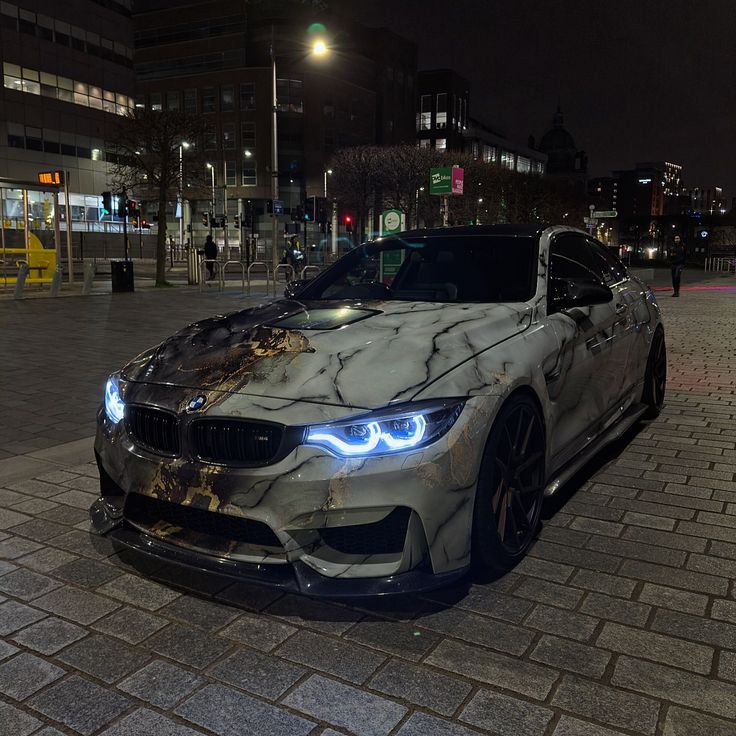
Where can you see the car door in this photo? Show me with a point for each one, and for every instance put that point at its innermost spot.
(628, 341)
(582, 386)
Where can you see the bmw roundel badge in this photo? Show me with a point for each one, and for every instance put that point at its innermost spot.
(196, 403)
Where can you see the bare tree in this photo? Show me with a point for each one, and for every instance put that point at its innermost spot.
(356, 177)
(148, 162)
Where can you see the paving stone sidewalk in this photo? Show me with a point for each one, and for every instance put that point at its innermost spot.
(622, 621)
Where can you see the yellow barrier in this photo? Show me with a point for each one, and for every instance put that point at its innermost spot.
(41, 263)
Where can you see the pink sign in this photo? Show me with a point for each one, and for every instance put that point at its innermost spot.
(458, 178)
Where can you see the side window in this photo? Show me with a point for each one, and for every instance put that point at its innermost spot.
(572, 257)
(613, 270)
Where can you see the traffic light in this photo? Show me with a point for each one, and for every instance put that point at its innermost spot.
(206, 219)
(134, 222)
(309, 206)
(106, 203)
(145, 225)
(122, 209)
(237, 221)
(321, 214)
(348, 220)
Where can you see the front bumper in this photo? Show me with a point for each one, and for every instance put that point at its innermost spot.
(310, 503)
(296, 577)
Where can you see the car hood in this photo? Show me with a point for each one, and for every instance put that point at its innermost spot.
(360, 355)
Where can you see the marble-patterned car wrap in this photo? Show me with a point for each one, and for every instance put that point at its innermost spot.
(247, 366)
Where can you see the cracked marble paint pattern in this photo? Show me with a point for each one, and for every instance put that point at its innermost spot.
(584, 366)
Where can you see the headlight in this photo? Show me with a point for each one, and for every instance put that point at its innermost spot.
(386, 431)
(114, 406)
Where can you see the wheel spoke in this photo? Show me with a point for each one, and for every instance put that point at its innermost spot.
(498, 495)
(531, 460)
(521, 512)
(527, 436)
(511, 517)
(501, 526)
(518, 431)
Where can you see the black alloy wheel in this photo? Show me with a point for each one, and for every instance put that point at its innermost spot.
(510, 489)
(655, 376)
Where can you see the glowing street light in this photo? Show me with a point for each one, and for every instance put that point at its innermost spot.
(319, 48)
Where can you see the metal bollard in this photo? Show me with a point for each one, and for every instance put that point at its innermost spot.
(20, 282)
(56, 282)
(89, 277)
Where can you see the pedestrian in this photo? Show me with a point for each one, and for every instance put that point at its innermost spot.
(677, 262)
(210, 254)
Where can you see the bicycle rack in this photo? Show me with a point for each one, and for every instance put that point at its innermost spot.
(309, 269)
(202, 279)
(242, 274)
(287, 268)
(260, 264)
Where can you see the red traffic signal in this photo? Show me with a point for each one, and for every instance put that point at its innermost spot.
(348, 220)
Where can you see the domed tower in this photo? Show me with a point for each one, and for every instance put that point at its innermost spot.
(563, 157)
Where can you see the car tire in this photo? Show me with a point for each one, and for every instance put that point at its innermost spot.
(510, 490)
(655, 376)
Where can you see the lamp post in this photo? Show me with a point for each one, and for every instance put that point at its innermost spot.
(182, 146)
(327, 171)
(319, 48)
(212, 213)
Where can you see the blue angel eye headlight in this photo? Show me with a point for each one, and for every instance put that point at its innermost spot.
(386, 431)
(114, 406)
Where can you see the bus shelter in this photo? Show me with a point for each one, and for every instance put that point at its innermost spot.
(30, 229)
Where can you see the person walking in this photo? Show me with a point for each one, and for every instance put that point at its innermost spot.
(677, 262)
(210, 254)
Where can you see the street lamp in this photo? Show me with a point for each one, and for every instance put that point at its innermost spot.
(327, 172)
(182, 146)
(319, 48)
(212, 173)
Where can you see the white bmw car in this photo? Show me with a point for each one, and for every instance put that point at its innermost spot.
(398, 419)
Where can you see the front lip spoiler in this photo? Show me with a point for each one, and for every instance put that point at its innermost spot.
(296, 577)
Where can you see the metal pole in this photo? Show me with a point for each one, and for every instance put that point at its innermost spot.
(333, 244)
(224, 211)
(212, 213)
(26, 224)
(2, 219)
(57, 228)
(68, 206)
(181, 196)
(124, 195)
(274, 163)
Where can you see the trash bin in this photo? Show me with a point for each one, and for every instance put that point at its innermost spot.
(121, 273)
(193, 273)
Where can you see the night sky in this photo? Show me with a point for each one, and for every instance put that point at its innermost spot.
(637, 80)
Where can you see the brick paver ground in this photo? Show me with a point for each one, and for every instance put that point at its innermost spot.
(621, 621)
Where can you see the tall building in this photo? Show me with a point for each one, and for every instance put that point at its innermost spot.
(213, 58)
(707, 200)
(443, 122)
(67, 78)
(442, 112)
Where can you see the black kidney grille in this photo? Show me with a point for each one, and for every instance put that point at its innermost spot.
(146, 511)
(232, 441)
(382, 537)
(154, 429)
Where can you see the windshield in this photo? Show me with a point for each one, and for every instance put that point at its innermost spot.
(461, 268)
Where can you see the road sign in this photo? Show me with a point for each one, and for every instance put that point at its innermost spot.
(278, 206)
(440, 180)
(392, 221)
(590, 220)
(606, 213)
(458, 180)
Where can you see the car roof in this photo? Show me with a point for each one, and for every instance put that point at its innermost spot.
(521, 230)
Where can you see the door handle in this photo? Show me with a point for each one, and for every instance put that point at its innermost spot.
(621, 308)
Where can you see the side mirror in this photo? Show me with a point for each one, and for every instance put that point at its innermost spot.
(294, 287)
(567, 293)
